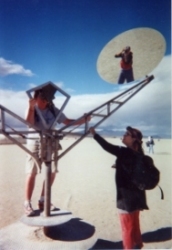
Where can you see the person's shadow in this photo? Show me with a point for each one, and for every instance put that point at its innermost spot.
(77, 230)
(162, 234)
(74, 230)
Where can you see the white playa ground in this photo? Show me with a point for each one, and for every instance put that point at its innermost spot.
(84, 186)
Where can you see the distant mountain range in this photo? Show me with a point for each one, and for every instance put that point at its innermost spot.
(111, 133)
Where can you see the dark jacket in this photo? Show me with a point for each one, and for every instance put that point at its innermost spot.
(129, 197)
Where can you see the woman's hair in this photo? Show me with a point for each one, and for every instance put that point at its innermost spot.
(137, 135)
(138, 146)
(36, 93)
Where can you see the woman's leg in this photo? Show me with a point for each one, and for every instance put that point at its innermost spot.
(129, 75)
(131, 235)
(137, 232)
(29, 186)
(127, 226)
(121, 78)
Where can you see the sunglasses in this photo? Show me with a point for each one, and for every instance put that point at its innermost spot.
(127, 134)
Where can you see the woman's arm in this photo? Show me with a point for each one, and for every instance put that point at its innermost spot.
(110, 148)
(119, 54)
(30, 115)
(83, 120)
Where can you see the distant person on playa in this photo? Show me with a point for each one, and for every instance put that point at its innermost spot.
(126, 65)
(130, 199)
(45, 105)
(151, 144)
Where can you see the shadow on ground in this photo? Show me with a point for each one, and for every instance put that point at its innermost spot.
(159, 235)
(74, 230)
(162, 234)
(105, 244)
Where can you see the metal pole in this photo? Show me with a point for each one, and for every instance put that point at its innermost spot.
(47, 188)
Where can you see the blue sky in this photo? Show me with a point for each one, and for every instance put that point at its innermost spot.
(60, 40)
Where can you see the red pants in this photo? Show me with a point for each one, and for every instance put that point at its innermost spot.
(130, 226)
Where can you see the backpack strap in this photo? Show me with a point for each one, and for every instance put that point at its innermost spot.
(162, 193)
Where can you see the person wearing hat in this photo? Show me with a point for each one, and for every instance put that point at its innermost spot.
(126, 62)
(42, 102)
(130, 199)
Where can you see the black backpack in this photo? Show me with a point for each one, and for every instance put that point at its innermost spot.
(141, 170)
(145, 175)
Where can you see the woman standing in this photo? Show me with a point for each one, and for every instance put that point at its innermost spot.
(44, 104)
(130, 199)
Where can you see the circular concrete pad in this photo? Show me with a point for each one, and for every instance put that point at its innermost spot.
(18, 236)
(148, 47)
(56, 218)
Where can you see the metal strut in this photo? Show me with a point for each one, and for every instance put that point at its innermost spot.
(110, 106)
(11, 132)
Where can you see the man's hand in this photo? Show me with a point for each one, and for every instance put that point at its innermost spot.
(32, 103)
(92, 130)
(87, 118)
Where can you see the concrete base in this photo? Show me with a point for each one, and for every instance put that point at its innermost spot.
(75, 234)
(57, 217)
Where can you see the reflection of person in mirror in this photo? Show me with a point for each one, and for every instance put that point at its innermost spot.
(42, 103)
(126, 73)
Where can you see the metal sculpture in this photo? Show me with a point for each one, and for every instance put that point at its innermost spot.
(50, 136)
